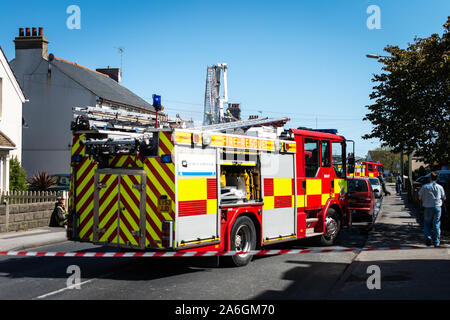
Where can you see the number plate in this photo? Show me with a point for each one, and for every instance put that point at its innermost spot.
(164, 205)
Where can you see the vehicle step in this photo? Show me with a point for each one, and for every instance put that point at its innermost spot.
(311, 222)
(310, 233)
(313, 234)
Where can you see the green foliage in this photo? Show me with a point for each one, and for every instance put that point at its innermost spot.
(412, 109)
(388, 158)
(42, 181)
(17, 176)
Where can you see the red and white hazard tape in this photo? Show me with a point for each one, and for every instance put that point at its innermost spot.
(200, 254)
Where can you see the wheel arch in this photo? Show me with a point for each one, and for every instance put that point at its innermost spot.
(252, 214)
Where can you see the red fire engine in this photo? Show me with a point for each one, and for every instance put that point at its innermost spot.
(205, 190)
(368, 169)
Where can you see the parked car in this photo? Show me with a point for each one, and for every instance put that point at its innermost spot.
(361, 199)
(62, 182)
(376, 185)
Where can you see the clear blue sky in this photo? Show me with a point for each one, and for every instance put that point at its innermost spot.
(302, 59)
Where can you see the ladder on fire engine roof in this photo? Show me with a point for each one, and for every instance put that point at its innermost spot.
(105, 118)
(241, 124)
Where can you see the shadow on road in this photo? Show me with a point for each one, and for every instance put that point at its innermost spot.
(411, 279)
(147, 268)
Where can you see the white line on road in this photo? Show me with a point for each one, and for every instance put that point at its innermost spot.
(64, 289)
(72, 286)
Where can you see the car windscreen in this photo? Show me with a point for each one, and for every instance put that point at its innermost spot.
(374, 182)
(355, 185)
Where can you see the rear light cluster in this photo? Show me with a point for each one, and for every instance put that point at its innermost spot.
(167, 232)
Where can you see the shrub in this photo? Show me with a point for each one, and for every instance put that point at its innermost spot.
(42, 181)
(17, 176)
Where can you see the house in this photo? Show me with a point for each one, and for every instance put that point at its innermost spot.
(54, 86)
(11, 101)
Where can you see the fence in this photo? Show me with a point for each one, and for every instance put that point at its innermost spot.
(24, 197)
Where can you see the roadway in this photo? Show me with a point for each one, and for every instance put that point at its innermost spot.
(304, 276)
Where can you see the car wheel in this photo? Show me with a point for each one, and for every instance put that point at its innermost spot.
(242, 238)
(332, 228)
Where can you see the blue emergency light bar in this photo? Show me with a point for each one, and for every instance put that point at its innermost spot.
(332, 131)
(156, 101)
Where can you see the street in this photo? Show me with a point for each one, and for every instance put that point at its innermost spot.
(306, 276)
(403, 274)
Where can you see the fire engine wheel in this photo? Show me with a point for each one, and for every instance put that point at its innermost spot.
(332, 228)
(242, 238)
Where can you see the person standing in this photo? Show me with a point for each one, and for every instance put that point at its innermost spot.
(383, 185)
(398, 184)
(432, 195)
(59, 215)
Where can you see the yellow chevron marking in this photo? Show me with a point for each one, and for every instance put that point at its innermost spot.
(154, 200)
(163, 174)
(163, 139)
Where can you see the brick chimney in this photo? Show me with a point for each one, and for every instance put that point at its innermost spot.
(32, 41)
(113, 73)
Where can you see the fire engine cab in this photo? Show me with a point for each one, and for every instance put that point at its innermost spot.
(204, 189)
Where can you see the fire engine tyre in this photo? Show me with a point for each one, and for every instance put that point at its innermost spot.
(242, 238)
(332, 228)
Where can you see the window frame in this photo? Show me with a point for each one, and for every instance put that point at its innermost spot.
(319, 151)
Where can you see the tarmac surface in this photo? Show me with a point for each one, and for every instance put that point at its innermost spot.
(405, 275)
(402, 274)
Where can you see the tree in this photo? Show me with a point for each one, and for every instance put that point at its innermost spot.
(387, 158)
(412, 109)
(17, 176)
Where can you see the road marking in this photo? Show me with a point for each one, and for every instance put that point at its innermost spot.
(72, 286)
(64, 289)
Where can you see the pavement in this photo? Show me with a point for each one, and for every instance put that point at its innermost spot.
(419, 274)
(25, 240)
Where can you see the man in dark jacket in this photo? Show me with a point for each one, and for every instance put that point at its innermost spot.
(383, 184)
(59, 215)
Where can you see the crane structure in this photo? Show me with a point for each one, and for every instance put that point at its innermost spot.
(214, 103)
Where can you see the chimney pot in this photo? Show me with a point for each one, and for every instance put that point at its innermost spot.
(21, 32)
(34, 32)
(41, 31)
(27, 30)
